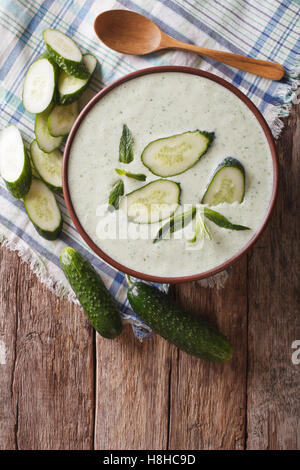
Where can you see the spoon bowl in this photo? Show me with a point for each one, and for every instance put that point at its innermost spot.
(128, 32)
(131, 33)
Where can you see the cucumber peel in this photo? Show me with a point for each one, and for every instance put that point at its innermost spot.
(92, 294)
(174, 155)
(179, 327)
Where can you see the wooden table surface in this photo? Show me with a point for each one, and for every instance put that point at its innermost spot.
(63, 387)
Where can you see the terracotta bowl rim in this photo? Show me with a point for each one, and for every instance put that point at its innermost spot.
(86, 237)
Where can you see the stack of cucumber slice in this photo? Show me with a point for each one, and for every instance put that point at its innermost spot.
(39, 201)
(52, 87)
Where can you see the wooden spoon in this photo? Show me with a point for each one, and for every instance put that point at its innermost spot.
(131, 33)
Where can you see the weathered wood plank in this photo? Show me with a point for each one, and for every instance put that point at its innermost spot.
(48, 385)
(132, 393)
(208, 400)
(8, 328)
(274, 323)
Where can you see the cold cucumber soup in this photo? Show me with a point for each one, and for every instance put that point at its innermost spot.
(161, 106)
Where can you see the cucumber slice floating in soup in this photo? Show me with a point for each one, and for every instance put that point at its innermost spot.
(71, 88)
(39, 85)
(45, 140)
(48, 166)
(173, 155)
(227, 183)
(153, 202)
(43, 211)
(62, 118)
(15, 166)
(65, 53)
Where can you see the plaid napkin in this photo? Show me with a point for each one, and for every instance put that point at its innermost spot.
(266, 30)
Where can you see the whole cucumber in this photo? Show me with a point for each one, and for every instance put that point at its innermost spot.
(187, 332)
(92, 294)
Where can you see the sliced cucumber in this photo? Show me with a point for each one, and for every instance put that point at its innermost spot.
(71, 88)
(48, 166)
(62, 118)
(45, 140)
(153, 202)
(43, 211)
(39, 85)
(15, 167)
(173, 155)
(227, 183)
(65, 53)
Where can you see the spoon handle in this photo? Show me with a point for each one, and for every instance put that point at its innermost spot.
(263, 68)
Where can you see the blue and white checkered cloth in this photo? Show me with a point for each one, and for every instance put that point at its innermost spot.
(268, 29)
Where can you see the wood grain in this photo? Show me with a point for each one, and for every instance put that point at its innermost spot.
(8, 338)
(47, 396)
(132, 393)
(208, 400)
(274, 306)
